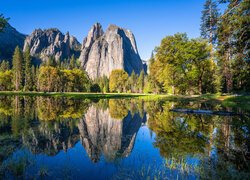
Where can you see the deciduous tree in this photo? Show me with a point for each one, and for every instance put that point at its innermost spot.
(117, 81)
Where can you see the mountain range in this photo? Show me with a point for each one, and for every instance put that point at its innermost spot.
(99, 54)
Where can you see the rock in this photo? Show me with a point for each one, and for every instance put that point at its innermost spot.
(10, 38)
(115, 49)
(74, 44)
(51, 42)
(95, 33)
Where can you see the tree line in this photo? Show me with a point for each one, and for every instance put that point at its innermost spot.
(50, 76)
(219, 61)
(65, 76)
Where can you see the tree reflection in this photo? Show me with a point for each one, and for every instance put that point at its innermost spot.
(220, 144)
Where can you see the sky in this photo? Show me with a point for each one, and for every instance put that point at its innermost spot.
(149, 20)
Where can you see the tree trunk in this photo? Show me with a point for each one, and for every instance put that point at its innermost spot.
(173, 89)
(228, 73)
(200, 86)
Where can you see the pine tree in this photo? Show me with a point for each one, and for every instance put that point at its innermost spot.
(18, 75)
(34, 77)
(233, 45)
(209, 21)
(141, 81)
(3, 22)
(132, 81)
(28, 73)
(72, 62)
(4, 66)
(51, 61)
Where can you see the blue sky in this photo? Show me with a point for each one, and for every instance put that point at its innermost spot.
(149, 20)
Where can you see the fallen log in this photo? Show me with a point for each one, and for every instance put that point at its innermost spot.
(206, 112)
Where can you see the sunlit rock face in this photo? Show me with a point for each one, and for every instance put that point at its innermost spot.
(115, 49)
(51, 42)
(102, 134)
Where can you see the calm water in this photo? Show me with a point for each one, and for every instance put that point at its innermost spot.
(59, 138)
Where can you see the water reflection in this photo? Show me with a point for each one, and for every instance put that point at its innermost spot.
(189, 145)
(100, 132)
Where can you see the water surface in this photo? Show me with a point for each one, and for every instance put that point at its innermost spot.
(45, 137)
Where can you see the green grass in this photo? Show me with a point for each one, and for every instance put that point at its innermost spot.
(72, 94)
(226, 100)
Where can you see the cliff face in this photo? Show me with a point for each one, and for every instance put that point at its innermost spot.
(100, 53)
(51, 42)
(115, 49)
(9, 39)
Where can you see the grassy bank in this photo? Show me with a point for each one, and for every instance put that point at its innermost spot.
(242, 101)
(72, 94)
(227, 100)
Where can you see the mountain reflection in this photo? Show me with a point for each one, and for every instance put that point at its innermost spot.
(49, 125)
(100, 133)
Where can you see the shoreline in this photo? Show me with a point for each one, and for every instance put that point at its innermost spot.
(168, 97)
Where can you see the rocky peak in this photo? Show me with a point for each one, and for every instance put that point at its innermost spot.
(94, 33)
(74, 44)
(50, 42)
(115, 49)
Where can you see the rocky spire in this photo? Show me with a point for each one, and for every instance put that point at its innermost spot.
(115, 49)
(95, 32)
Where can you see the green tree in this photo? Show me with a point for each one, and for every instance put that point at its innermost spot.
(28, 73)
(209, 21)
(103, 83)
(3, 22)
(202, 72)
(181, 65)
(51, 61)
(95, 88)
(233, 46)
(141, 82)
(132, 81)
(18, 73)
(72, 62)
(49, 79)
(4, 66)
(75, 80)
(117, 80)
(34, 73)
(169, 68)
(153, 84)
(6, 80)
